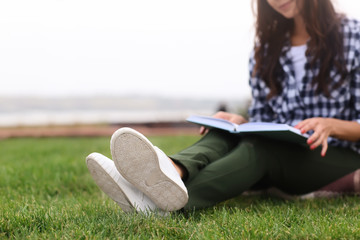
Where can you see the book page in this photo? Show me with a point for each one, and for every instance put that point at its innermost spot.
(213, 122)
(264, 126)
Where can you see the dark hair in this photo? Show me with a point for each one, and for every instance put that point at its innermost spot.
(325, 46)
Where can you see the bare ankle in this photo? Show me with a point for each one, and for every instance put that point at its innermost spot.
(180, 169)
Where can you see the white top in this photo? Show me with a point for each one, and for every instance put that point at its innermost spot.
(299, 59)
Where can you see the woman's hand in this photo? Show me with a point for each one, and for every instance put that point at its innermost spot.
(231, 117)
(322, 127)
(325, 127)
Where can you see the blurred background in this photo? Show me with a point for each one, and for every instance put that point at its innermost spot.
(111, 62)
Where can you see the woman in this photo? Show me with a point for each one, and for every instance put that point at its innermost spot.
(305, 72)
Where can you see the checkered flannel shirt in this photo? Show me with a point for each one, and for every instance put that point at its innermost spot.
(298, 101)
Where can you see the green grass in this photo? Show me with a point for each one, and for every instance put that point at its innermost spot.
(46, 192)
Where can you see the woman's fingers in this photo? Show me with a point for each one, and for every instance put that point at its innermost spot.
(306, 125)
(234, 118)
(321, 132)
(203, 130)
(324, 148)
(315, 141)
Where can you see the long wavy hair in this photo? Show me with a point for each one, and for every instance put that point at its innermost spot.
(325, 46)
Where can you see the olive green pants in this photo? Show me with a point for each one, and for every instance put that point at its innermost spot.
(223, 165)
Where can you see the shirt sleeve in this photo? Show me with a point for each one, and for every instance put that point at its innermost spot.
(355, 92)
(259, 110)
(354, 61)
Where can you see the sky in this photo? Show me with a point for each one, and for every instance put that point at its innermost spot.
(182, 49)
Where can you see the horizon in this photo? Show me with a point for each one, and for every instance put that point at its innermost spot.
(189, 49)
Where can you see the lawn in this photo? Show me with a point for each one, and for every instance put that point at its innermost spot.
(46, 192)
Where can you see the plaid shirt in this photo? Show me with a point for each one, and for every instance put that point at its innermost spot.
(298, 101)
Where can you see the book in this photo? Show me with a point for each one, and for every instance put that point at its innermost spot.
(277, 131)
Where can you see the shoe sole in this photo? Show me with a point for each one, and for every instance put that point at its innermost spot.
(106, 183)
(137, 161)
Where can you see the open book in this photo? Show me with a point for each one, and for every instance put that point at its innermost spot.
(270, 130)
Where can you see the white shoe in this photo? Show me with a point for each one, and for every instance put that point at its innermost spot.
(148, 169)
(110, 181)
